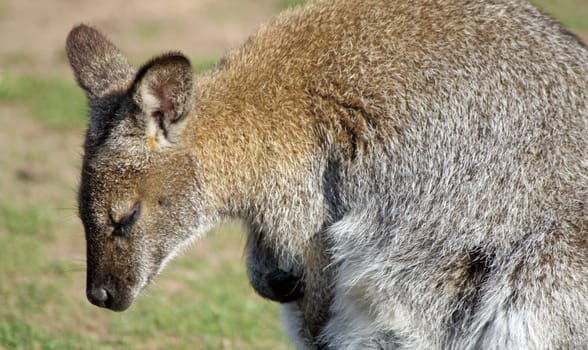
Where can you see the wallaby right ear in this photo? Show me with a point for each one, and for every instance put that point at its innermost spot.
(99, 66)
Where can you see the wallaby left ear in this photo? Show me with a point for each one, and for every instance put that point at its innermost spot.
(163, 89)
(99, 66)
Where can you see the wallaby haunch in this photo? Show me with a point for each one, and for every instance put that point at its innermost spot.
(413, 173)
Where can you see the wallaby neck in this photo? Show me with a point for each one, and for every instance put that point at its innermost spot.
(257, 163)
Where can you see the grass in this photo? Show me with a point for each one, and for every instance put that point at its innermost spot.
(572, 13)
(57, 103)
(208, 307)
(284, 4)
(202, 64)
(28, 221)
(19, 335)
(149, 30)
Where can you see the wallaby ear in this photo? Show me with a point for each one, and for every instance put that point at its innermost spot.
(98, 65)
(163, 89)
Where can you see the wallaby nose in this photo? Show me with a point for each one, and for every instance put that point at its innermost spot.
(98, 296)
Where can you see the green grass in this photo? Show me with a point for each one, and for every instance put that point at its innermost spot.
(211, 305)
(284, 4)
(209, 311)
(149, 30)
(32, 279)
(28, 221)
(56, 103)
(200, 65)
(572, 13)
(15, 334)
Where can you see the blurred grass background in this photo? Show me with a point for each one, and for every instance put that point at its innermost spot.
(203, 300)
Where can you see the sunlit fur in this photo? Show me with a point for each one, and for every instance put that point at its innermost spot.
(421, 165)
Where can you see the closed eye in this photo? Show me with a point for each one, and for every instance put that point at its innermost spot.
(122, 227)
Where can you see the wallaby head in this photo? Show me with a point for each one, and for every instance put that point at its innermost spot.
(133, 166)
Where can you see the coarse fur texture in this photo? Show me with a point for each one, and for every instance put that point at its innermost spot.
(414, 174)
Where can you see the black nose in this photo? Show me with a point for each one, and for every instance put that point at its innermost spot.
(98, 296)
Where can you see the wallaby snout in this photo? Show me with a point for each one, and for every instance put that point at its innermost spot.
(112, 289)
(107, 295)
(99, 296)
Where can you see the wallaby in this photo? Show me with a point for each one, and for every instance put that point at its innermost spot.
(413, 173)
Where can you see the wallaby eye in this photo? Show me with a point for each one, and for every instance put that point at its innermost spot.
(122, 227)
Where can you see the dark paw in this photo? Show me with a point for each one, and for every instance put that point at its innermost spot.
(285, 286)
(281, 286)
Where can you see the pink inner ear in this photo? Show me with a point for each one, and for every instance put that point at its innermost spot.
(165, 95)
(165, 83)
